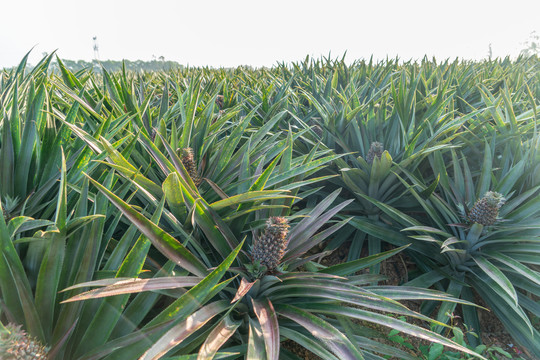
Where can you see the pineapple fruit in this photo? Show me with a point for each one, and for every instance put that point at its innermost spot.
(16, 344)
(486, 210)
(188, 159)
(270, 247)
(375, 150)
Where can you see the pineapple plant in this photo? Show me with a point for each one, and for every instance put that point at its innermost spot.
(475, 255)
(16, 344)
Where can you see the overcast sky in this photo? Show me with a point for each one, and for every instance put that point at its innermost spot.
(241, 32)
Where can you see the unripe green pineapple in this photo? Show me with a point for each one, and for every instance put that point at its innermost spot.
(15, 344)
(486, 210)
(270, 247)
(188, 159)
(375, 150)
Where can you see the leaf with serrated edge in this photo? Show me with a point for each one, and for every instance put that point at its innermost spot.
(137, 285)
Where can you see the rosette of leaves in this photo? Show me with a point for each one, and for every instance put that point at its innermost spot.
(35, 143)
(393, 120)
(254, 308)
(32, 140)
(75, 250)
(468, 242)
(376, 179)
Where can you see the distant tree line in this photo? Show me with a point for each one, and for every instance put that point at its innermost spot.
(112, 65)
(116, 65)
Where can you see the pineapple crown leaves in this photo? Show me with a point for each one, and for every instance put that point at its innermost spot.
(269, 248)
(486, 210)
(9, 205)
(494, 199)
(16, 344)
(187, 153)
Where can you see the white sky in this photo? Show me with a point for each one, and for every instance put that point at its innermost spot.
(241, 32)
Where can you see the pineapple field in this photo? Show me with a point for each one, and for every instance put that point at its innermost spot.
(245, 213)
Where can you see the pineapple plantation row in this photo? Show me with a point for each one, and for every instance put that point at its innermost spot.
(187, 214)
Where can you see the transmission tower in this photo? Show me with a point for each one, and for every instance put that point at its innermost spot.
(96, 48)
